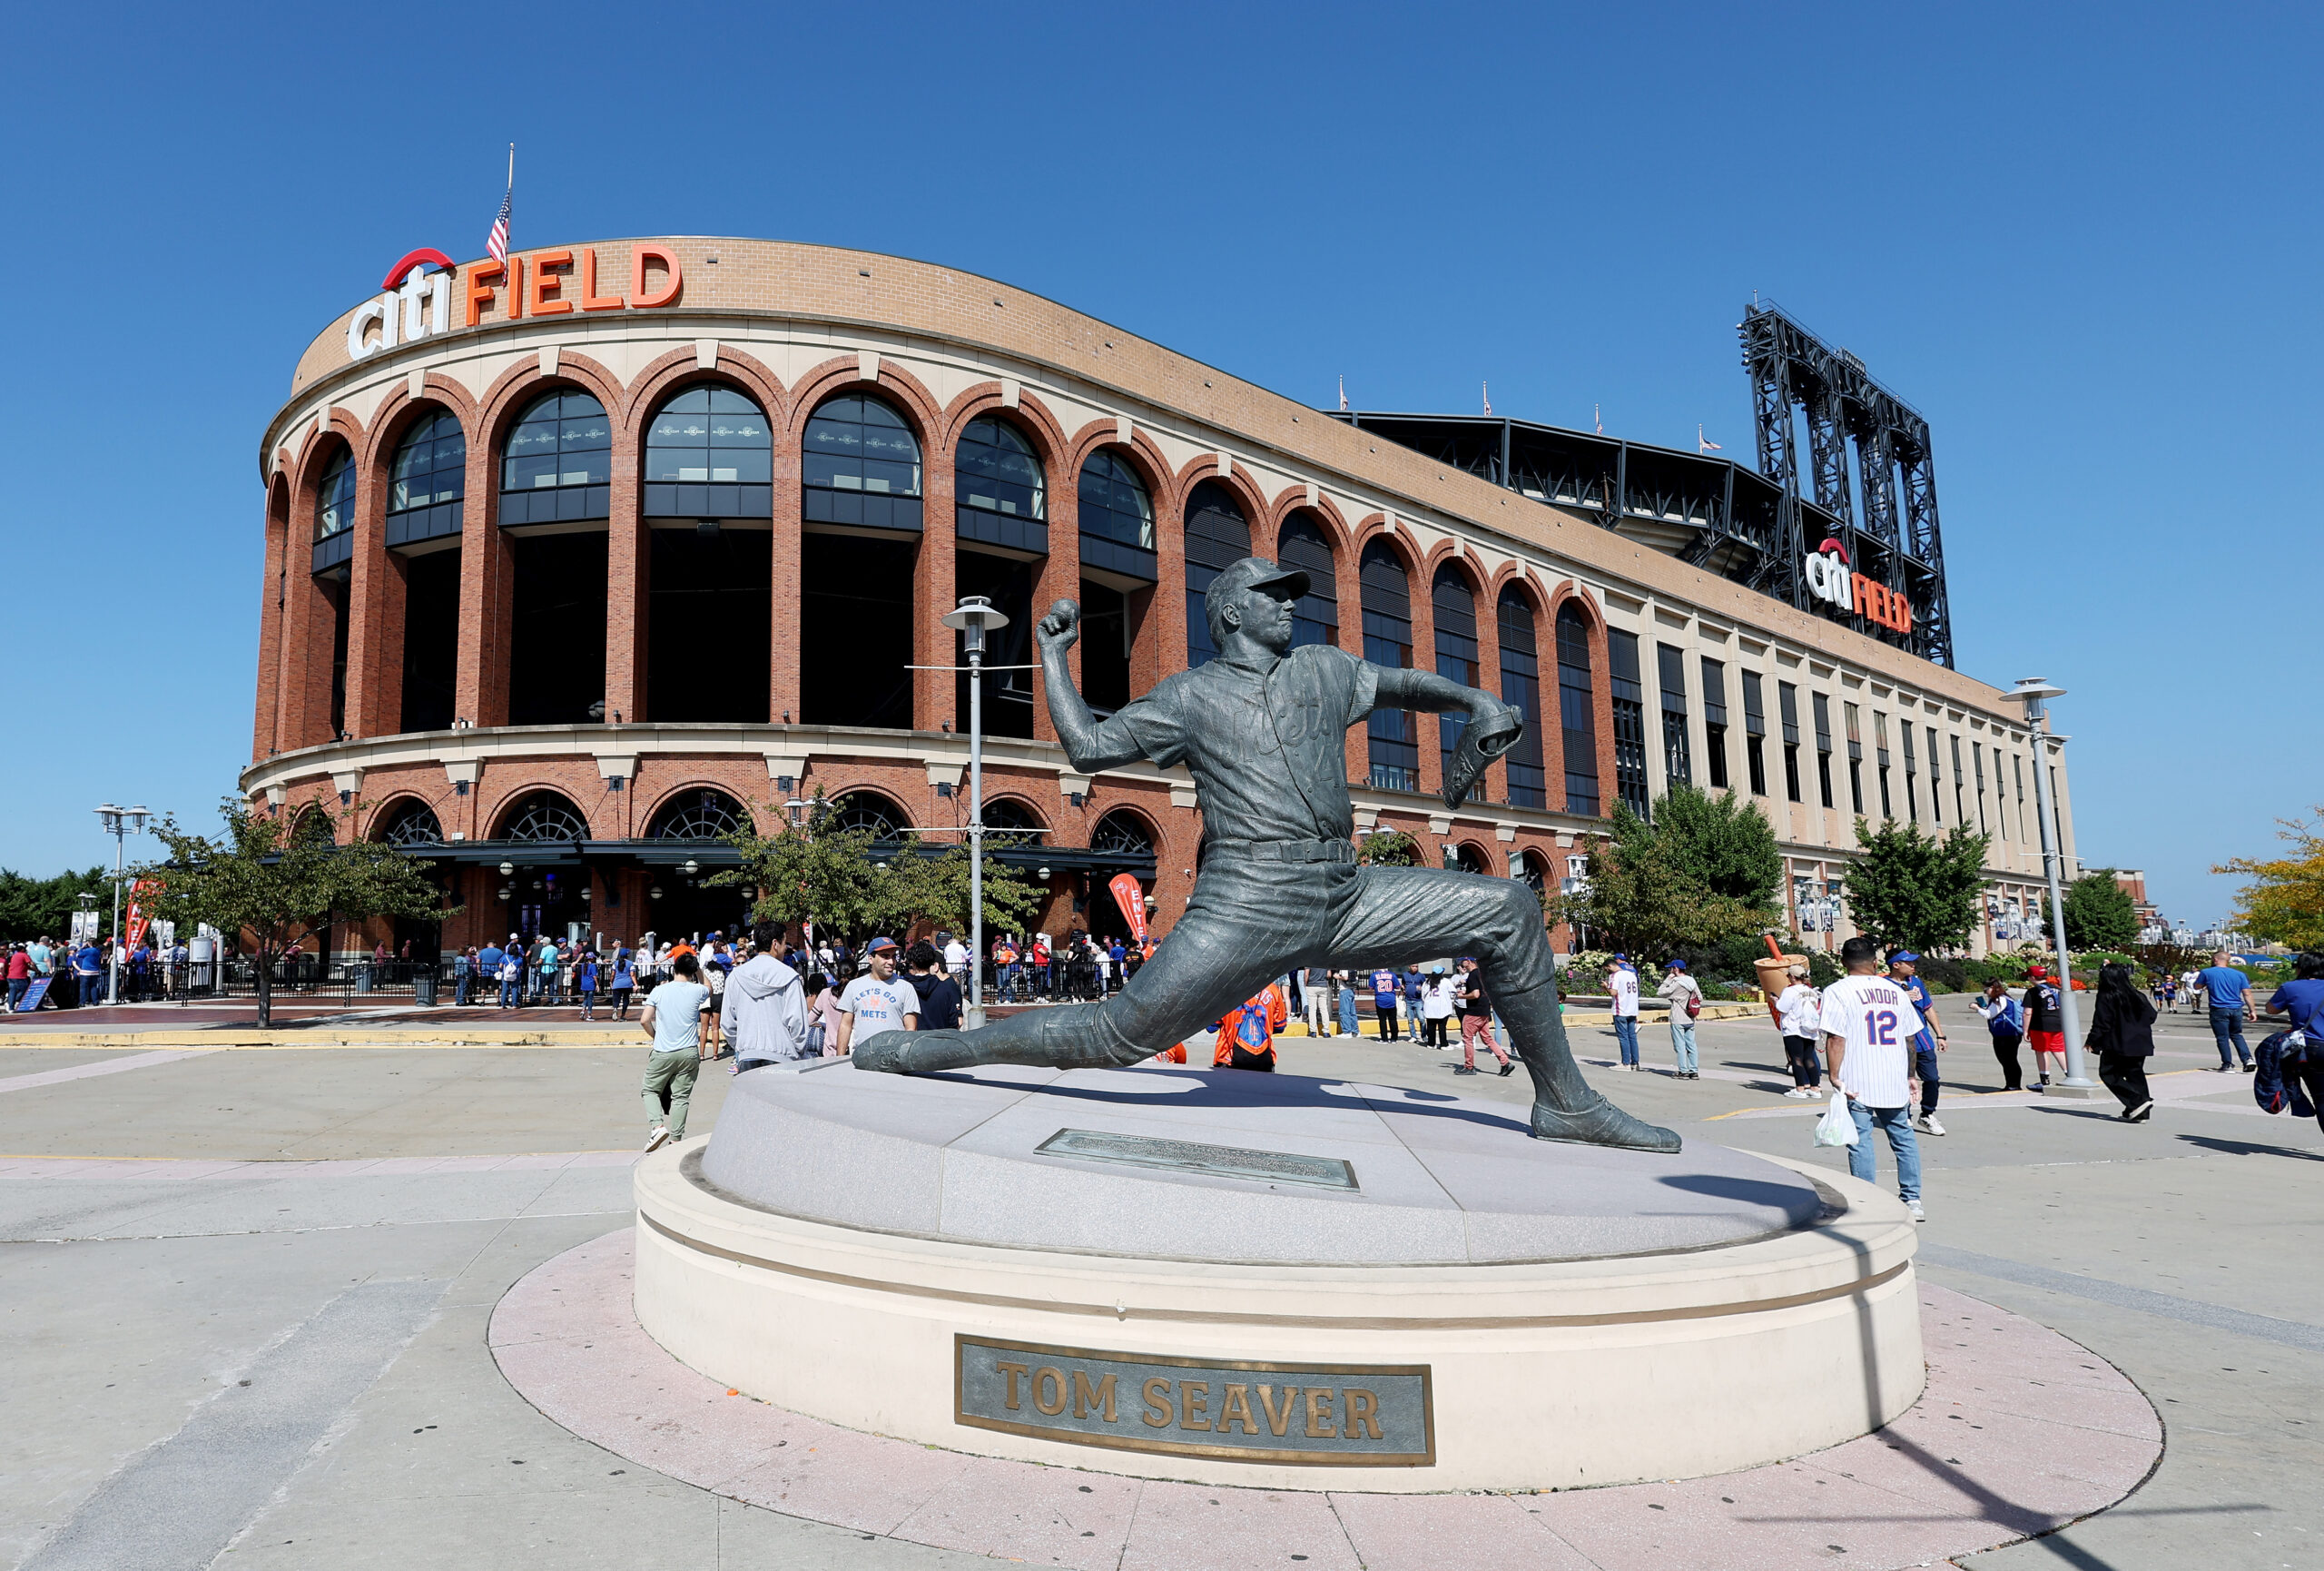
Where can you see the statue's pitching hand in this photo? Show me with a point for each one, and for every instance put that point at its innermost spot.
(1060, 629)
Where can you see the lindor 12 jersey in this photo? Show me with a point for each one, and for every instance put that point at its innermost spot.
(1877, 1021)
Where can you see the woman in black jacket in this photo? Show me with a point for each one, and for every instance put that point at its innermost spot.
(2122, 1030)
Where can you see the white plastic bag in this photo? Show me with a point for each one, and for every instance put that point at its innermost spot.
(1835, 1127)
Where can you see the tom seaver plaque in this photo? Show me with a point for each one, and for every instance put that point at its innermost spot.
(1294, 1414)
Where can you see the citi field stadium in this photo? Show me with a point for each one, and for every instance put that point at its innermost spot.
(576, 563)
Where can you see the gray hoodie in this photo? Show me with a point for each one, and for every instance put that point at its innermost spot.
(765, 1012)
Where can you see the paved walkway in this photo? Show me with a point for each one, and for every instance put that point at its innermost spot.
(137, 1292)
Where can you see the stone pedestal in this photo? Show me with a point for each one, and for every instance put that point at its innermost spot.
(1269, 1280)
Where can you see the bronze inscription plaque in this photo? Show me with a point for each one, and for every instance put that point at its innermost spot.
(1301, 1415)
(1234, 1161)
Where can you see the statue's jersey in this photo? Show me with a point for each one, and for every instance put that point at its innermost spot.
(1268, 748)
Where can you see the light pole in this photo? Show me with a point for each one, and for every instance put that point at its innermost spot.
(2036, 693)
(975, 617)
(1573, 888)
(119, 821)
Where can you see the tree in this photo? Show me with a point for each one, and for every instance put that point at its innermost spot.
(1724, 843)
(2099, 914)
(42, 907)
(924, 884)
(815, 872)
(2284, 901)
(274, 886)
(1915, 891)
(810, 872)
(1388, 848)
(1646, 896)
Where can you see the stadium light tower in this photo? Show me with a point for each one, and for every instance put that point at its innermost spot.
(2036, 693)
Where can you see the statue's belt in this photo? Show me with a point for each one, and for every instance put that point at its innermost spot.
(1279, 850)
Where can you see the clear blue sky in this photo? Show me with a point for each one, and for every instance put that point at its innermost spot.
(2083, 240)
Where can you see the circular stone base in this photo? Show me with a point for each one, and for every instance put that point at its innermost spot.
(1351, 1286)
(2020, 1432)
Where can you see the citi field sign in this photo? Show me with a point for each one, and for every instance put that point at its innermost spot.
(1833, 581)
(422, 293)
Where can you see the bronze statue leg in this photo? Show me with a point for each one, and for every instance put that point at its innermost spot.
(1398, 914)
(1243, 929)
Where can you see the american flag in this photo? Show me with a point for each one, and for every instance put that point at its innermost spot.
(496, 243)
(1703, 444)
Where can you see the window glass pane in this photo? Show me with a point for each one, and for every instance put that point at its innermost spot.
(706, 434)
(1315, 617)
(997, 470)
(563, 439)
(1115, 505)
(335, 499)
(1577, 712)
(856, 443)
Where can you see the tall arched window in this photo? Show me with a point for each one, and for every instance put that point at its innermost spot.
(1577, 711)
(1118, 562)
(546, 817)
(558, 464)
(427, 480)
(334, 547)
(710, 596)
(1001, 515)
(1388, 641)
(861, 466)
(709, 454)
(1315, 619)
(699, 815)
(1216, 536)
(1455, 605)
(335, 512)
(1117, 515)
(1012, 817)
(860, 510)
(1521, 687)
(1001, 490)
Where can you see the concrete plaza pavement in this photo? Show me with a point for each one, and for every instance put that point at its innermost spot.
(333, 1226)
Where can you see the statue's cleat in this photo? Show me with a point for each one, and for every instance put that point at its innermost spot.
(1601, 1123)
(915, 1052)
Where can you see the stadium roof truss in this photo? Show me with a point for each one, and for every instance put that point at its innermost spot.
(1752, 528)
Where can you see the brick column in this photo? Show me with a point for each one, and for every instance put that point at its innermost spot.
(1423, 603)
(481, 680)
(786, 553)
(1060, 579)
(629, 570)
(1494, 785)
(267, 710)
(935, 588)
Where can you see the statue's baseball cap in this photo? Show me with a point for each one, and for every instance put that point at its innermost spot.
(1257, 573)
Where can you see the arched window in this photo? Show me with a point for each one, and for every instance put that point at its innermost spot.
(1532, 870)
(557, 465)
(1521, 687)
(1117, 516)
(1007, 813)
(1577, 711)
(699, 815)
(335, 512)
(1001, 491)
(1467, 858)
(1217, 535)
(1120, 834)
(544, 815)
(1395, 744)
(427, 480)
(861, 466)
(1455, 605)
(315, 825)
(867, 812)
(410, 823)
(1315, 619)
(709, 454)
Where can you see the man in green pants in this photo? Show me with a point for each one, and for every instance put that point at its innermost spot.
(672, 1018)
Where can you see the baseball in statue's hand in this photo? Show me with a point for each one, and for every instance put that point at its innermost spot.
(1060, 628)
